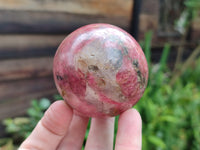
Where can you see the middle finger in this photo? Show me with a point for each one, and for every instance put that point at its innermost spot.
(101, 134)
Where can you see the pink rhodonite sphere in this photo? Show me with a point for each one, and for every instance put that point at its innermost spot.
(100, 70)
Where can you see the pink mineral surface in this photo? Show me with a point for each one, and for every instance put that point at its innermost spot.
(100, 70)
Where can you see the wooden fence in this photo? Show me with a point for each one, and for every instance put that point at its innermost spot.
(30, 32)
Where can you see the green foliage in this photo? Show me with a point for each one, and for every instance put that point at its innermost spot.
(6, 144)
(191, 10)
(147, 47)
(58, 97)
(170, 116)
(21, 127)
(193, 6)
(86, 134)
(171, 113)
(192, 74)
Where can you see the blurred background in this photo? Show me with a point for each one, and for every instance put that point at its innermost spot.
(167, 30)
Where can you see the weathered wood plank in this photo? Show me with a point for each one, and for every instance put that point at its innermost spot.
(21, 42)
(18, 105)
(90, 7)
(52, 22)
(149, 18)
(15, 96)
(195, 31)
(148, 22)
(14, 90)
(16, 69)
(61, 16)
(23, 46)
(23, 79)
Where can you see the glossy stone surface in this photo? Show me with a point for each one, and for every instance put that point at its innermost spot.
(100, 70)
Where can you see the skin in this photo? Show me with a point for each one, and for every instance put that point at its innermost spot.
(61, 129)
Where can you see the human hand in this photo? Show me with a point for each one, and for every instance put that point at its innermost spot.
(60, 129)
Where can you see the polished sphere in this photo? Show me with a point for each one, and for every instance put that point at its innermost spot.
(100, 70)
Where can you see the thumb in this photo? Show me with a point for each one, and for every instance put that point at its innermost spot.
(51, 128)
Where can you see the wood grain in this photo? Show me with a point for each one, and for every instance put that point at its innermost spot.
(25, 68)
(21, 42)
(89, 7)
(20, 21)
(14, 90)
(23, 46)
(195, 31)
(19, 105)
(61, 16)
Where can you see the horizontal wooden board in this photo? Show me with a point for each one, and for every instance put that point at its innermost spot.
(150, 7)
(18, 105)
(52, 22)
(32, 29)
(90, 7)
(149, 18)
(16, 69)
(195, 31)
(148, 22)
(23, 46)
(19, 88)
(21, 42)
